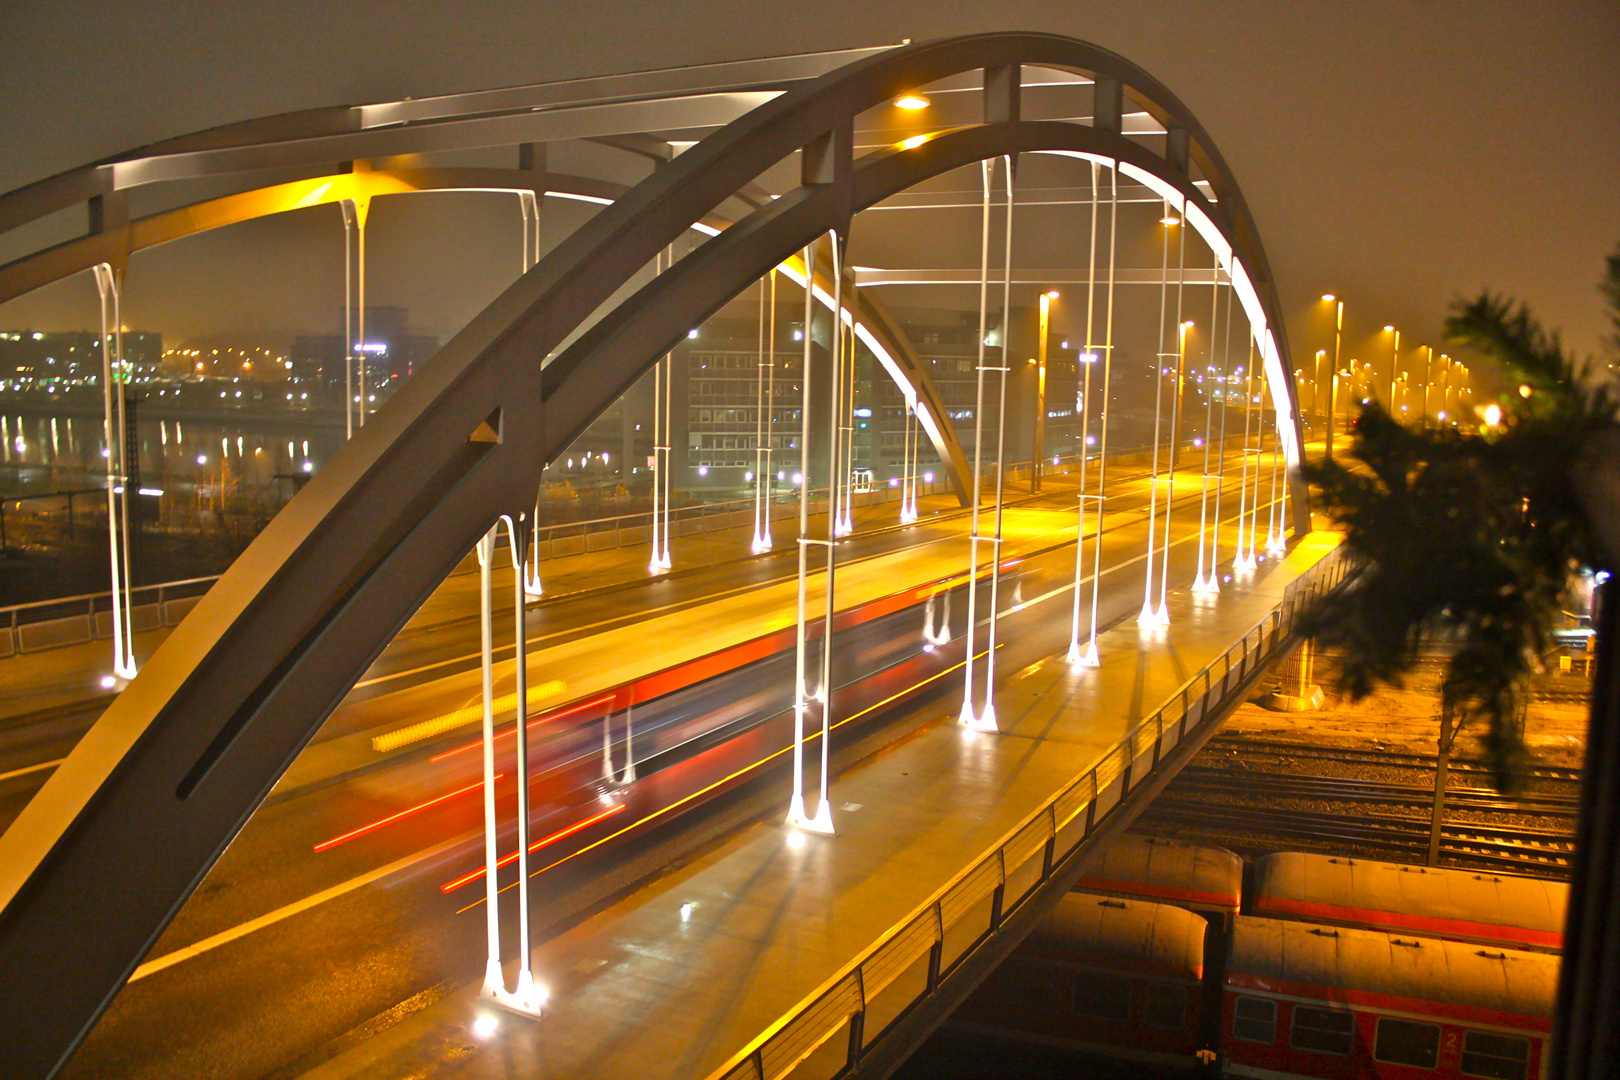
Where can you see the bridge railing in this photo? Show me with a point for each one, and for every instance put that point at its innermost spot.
(827, 1034)
(74, 620)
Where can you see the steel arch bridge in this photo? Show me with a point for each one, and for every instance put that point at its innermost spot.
(155, 791)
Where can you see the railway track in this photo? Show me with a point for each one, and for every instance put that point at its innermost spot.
(1340, 789)
(1390, 758)
(1542, 851)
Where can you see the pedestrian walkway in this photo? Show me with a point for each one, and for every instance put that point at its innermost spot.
(679, 979)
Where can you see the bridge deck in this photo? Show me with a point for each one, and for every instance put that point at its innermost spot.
(640, 991)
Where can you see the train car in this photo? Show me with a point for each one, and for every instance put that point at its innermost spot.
(1208, 880)
(1330, 1002)
(1459, 905)
(1104, 975)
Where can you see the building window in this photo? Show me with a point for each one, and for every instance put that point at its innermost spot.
(1164, 1006)
(1500, 1057)
(1102, 997)
(1255, 1020)
(1403, 1042)
(1326, 1031)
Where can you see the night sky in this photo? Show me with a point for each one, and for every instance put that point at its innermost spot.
(1397, 154)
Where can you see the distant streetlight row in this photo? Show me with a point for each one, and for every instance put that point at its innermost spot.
(1448, 367)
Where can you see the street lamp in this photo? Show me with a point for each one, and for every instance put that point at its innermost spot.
(1038, 443)
(1428, 379)
(1338, 338)
(1394, 362)
(1445, 387)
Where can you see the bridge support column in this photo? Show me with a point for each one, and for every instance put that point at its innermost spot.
(765, 397)
(1277, 522)
(1161, 617)
(1206, 583)
(354, 312)
(1220, 457)
(1244, 561)
(529, 206)
(798, 815)
(908, 461)
(1088, 658)
(118, 446)
(1148, 618)
(984, 719)
(663, 375)
(1076, 658)
(527, 998)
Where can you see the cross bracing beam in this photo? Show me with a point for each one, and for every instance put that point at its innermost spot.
(868, 277)
(116, 245)
(684, 97)
(104, 855)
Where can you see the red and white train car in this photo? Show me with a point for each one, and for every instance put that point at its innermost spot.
(1331, 1003)
(1201, 878)
(1459, 905)
(1121, 977)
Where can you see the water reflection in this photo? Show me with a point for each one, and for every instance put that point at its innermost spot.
(43, 453)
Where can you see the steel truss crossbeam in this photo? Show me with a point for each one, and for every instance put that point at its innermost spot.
(160, 785)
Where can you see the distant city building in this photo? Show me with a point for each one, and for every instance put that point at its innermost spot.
(72, 356)
(392, 353)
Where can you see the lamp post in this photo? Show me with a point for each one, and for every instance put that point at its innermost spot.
(1338, 338)
(1394, 363)
(1038, 438)
(1428, 380)
(1316, 382)
(1445, 389)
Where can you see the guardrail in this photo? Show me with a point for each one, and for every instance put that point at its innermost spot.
(76, 620)
(911, 962)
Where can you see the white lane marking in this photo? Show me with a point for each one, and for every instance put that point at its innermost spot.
(31, 768)
(225, 937)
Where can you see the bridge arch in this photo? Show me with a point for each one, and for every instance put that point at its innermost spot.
(160, 785)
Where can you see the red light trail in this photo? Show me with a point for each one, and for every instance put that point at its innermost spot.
(506, 860)
(581, 707)
(375, 825)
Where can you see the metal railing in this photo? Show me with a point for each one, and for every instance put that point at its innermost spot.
(828, 1033)
(75, 620)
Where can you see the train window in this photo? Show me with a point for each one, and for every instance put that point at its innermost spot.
(1501, 1057)
(1032, 987)
(1255, 1020)
(1327, 1031)
(1102, 997)
(1164, 1006)
(1403, 1042)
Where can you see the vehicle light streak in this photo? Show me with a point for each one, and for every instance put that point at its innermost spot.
(655, 815)
(581, 707)
(474, 875)
(728, 779)
(389, 820)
